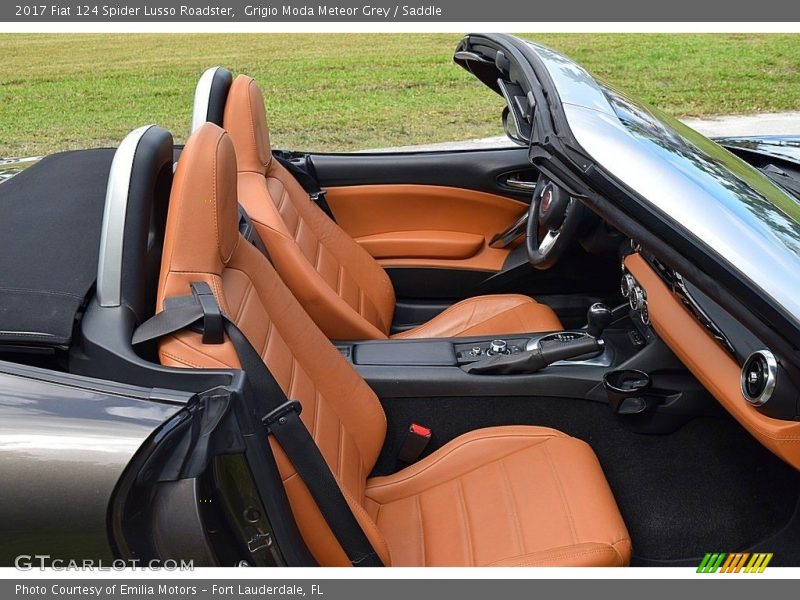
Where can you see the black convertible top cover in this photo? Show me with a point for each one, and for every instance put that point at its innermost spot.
(51, 215)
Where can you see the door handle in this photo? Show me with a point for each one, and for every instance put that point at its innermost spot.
(516, 182)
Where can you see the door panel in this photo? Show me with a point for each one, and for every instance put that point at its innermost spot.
(394, 221)
(395, 202)
(479, 170)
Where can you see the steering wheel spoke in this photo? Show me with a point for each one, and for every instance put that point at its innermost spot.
(548, 241)
(553, 221)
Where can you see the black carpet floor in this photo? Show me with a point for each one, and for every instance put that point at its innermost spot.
(708, 487)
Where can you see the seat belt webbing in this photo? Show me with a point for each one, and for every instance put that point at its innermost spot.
(309, 183)
(279, 414)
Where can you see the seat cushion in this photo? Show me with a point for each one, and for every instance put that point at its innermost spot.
(502, 496)
(497, 314)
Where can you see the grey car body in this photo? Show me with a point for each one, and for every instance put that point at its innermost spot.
(64, 444)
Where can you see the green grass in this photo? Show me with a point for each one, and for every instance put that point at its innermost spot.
(344, 92)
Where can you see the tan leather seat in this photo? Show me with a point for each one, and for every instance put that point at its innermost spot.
(497, 496)
(342, 287)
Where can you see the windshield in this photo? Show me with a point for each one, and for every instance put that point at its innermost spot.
(713, 168)
(730, 206)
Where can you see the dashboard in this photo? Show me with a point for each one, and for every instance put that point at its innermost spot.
(734, 366)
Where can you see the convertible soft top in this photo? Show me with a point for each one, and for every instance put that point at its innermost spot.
(49, 244)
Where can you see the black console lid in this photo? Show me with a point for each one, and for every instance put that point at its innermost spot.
(429, 353)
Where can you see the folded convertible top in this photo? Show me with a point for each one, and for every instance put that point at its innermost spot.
(50, 221)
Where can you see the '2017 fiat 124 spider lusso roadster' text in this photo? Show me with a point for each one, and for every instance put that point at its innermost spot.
(581, 349)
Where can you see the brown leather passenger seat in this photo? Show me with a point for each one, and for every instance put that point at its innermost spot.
(499, 496)
(342, 287)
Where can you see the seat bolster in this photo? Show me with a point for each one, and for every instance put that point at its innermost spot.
(332, 314)
(313, 527)
(456, 458)
(497, 314)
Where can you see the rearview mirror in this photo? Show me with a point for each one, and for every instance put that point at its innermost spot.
(510, 127)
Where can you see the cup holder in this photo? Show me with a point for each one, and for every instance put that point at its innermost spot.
(626, 391)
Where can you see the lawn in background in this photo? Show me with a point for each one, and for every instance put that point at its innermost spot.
(348, 92)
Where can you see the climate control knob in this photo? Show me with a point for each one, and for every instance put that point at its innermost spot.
(626, 285)
(636, 298)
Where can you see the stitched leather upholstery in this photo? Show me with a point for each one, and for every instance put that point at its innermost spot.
(505, 495)
(340, 285)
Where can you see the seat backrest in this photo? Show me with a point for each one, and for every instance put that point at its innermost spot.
(340, 285)
(203, 243)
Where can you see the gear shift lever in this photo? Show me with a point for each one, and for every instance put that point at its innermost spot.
(598, 318)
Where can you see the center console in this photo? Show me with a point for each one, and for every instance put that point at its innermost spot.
(549, 364)
(447, 367)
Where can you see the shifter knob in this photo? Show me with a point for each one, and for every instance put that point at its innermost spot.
(598, 318)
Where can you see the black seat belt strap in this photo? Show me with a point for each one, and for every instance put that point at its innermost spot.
(281, 418)
(250, 233)
(308, 182)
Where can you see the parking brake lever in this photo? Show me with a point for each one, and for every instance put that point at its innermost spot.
(534, 360)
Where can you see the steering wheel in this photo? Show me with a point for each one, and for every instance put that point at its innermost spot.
(553, 221)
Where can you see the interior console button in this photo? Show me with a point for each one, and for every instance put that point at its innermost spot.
(498, 347)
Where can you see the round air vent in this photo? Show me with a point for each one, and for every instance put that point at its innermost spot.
(759, 376)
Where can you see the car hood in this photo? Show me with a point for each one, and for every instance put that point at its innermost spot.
(776, 146)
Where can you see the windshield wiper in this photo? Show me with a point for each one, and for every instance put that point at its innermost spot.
(783, 179)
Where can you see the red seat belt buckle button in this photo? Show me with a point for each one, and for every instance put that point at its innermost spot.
(417, 438)
(420, 430)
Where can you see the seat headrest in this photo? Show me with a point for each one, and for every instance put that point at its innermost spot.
(202, 226)
(246, 121)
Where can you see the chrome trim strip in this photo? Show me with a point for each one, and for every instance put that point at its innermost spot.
(520, 184)
(109, 263)
(201, 95)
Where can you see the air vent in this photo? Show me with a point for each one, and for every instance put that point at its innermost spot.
(759, 376)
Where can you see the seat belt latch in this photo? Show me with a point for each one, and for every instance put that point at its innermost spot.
(213, 325)
(278, 415)
(417, 439)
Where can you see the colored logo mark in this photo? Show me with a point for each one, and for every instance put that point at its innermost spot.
(740, 562)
